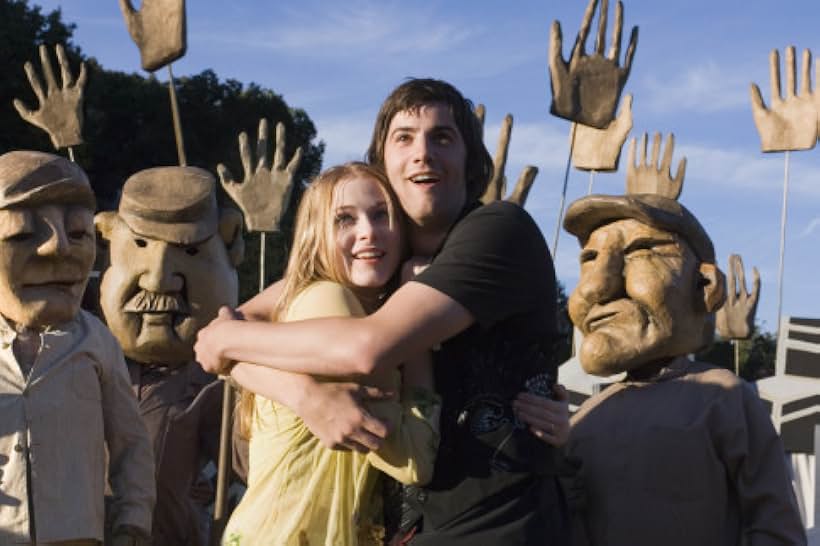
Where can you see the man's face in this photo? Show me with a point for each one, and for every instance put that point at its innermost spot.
(156, 295)
(46, 254)
(636, 299)
(425, 157)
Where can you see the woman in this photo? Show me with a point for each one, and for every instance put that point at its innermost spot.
(347, 249)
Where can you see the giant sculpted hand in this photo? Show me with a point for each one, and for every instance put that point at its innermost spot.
(265, 192)
(587, 88)
(600, 149)
(735, 320)
(61, 107)
(498, 183)
(652, 176)
(791, 122)
(158, 29)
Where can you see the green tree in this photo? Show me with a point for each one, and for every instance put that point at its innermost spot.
(756, 355)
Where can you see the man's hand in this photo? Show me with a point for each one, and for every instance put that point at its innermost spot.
(600, 149)
(208, 347)
(61, 107)
(790, 123)
(587, 88)
(548, 419)
(736, 319)
(265, 192)
(498, 183)
(335, 415)
(652, 176)
(158, 29)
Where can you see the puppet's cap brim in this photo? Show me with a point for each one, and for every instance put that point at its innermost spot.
(593, 211)
(29, 178)
(173, 204)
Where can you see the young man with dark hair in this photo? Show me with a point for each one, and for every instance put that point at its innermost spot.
(487, 302)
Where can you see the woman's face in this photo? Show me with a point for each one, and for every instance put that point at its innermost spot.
(368, 244)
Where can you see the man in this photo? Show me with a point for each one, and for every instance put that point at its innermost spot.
(173, 254)
(65, 406)
(680, 452)
(488, 299)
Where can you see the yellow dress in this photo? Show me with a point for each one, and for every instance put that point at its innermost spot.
(303, 494)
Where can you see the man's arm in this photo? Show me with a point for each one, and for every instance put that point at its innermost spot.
(332, 411)
(412, 320)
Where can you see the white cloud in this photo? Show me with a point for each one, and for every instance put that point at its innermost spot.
(812, 227)
(706, 87)
(363, 28)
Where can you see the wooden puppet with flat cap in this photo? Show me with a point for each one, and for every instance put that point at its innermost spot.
(680, 451)
(173, 257)
(65, 400)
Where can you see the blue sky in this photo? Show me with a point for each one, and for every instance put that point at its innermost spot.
(691, 76)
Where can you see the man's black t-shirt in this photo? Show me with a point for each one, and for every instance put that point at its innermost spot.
(493, 482)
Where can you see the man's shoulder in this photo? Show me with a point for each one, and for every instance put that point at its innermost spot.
(498, 209)
(499, 222)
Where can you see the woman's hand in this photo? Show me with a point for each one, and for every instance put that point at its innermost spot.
(548, 419)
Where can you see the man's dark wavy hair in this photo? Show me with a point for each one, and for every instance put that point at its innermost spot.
(418, 92)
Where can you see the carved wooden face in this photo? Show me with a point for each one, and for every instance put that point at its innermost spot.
(46, 254)
(639, 298)
(156, 295)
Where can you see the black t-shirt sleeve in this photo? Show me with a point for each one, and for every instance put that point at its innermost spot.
(496, 264)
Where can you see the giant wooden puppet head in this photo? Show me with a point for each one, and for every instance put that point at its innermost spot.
(649, 285)
(46, 238)
(173, 258)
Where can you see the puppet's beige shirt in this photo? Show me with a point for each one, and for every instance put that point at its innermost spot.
(687, 458)
(76, 396)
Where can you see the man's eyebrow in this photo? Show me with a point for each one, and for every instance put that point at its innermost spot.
(649, 241)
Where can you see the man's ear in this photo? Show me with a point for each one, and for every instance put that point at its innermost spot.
(713, 283)
(230, 229)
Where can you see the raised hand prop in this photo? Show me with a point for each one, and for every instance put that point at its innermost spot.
(736, 319)
(586, 88)
(653, 176)
(265, 191)
(498, 184)
(158, 29)
(60, 111)
(790, 122)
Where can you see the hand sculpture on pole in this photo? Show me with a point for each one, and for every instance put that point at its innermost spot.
(498, 184)
(654, 177)
(600, 149)
(586, 89)
(158, 29)
(60, 113)
(736, 319)
(265, 192)
(791, 123)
